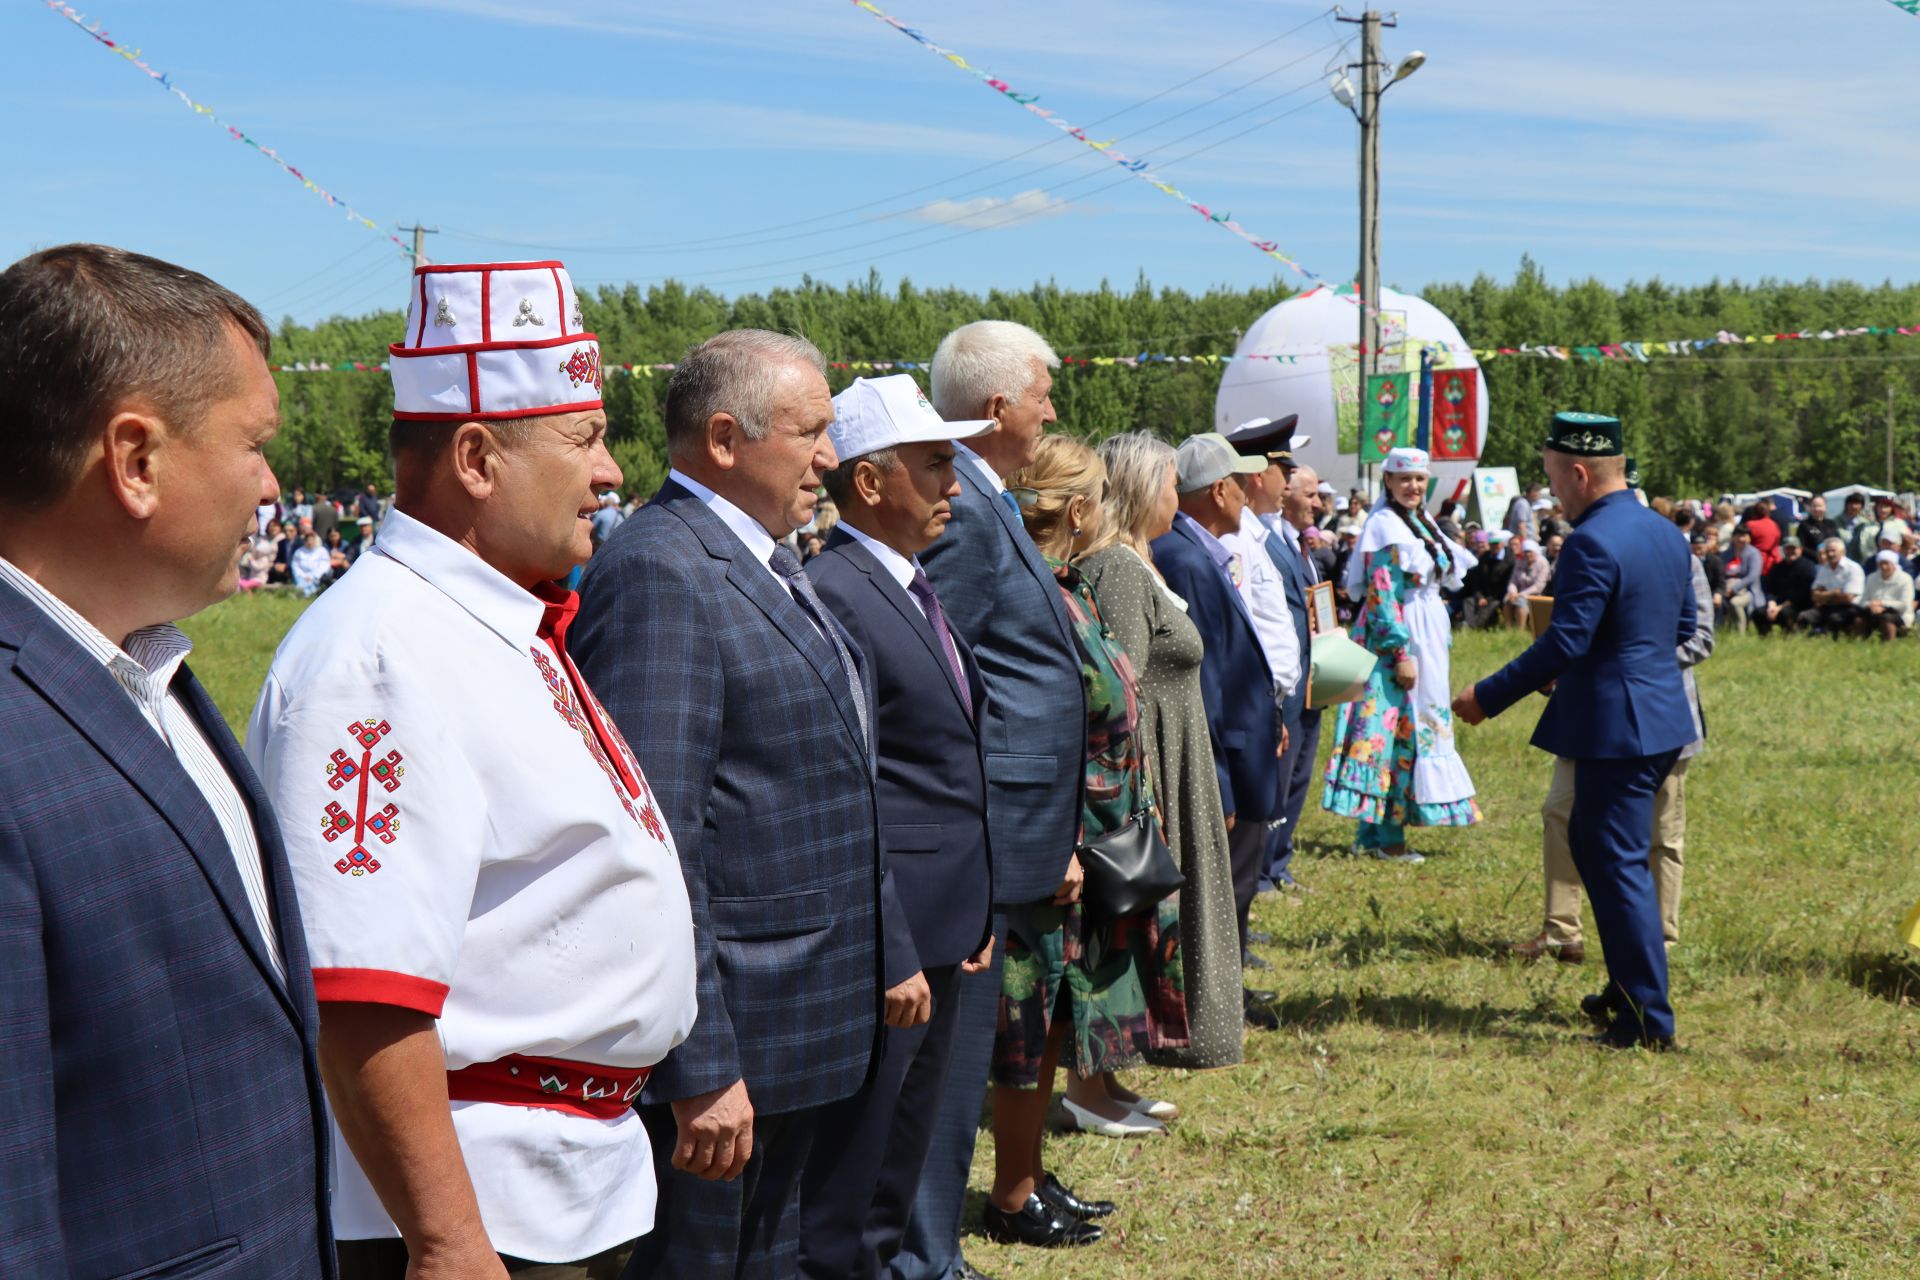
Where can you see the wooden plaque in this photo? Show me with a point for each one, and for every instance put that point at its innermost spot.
(1322, 615)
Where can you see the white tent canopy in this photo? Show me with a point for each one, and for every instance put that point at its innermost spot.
(1837, 497)
(1303, 328)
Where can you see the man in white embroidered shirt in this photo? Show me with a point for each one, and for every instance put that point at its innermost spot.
(502, 945)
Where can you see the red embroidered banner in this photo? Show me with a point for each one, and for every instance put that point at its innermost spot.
(1455, 414)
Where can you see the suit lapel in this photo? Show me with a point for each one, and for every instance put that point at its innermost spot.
(756, 582)
(281, 904)
(83, 691)
(1029, 554)
(1239, 602)
(903, 604)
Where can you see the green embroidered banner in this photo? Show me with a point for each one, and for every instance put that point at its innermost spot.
(1386, 417)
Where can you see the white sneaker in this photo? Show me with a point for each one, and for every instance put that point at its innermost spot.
(1409, 857)
(1134, 1126)
(1155, 1108)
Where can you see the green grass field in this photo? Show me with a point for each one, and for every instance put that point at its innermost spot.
(1430, 1110)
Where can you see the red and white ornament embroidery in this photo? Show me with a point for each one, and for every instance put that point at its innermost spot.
(647, 814)
(344, 770)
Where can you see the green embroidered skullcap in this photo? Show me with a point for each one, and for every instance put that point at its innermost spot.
(1633, 473)
(1585, 435)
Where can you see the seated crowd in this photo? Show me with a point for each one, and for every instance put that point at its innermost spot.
(1851, 576)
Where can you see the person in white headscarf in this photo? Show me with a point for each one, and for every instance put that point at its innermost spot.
(1394, 764)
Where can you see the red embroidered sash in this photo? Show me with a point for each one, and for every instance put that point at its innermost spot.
(580, 1088)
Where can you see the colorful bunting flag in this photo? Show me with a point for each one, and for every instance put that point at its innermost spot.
(1456, 397)
(1386, 416)
(99, 35)
(1138, 168)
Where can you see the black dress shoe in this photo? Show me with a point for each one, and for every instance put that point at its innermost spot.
(1062, 1198)
(1248, 960)
(1259, 1014)
(1599, 1008)
(1037, 1224)
(1259, 938)
(1618, 1039)
(964, 1270)
(1257, 995)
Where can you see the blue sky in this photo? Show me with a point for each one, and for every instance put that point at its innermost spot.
(742, 143)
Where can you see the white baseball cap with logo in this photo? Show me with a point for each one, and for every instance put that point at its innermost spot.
(879, 413)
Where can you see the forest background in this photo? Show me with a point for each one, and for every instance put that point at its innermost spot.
(1810, 415)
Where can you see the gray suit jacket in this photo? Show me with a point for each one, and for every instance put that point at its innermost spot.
(1002, 598)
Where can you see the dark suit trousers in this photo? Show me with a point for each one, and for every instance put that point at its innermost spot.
(747, 1229)
(858, 1189)
(1296, 775)
(931, 1245)
(1611, 832)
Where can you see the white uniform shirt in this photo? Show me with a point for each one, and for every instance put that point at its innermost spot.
(1846, 576)
(1258, 578)
(145, 670)
(508, 885)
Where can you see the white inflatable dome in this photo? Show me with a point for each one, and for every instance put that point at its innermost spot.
(1304, 327)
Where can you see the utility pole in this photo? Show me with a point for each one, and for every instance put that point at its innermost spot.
(1889, 434)
(420, 235)
(1366, 109)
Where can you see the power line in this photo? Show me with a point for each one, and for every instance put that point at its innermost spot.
(759, 234)
(271, 300)
(720, 276)
(1010, 221)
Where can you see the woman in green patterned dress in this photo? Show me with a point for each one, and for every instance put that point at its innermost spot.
(1102, 992)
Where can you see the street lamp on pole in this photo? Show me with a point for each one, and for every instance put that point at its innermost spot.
(1365, 106)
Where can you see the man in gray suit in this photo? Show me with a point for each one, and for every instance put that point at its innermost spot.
(1000, 595)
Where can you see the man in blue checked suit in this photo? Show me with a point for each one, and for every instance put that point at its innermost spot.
(160, 1100)
(1004, 601)
(748, 709)
(1622, 602)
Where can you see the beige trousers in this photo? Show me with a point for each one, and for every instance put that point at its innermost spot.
(1740, 604)
(1563, 881)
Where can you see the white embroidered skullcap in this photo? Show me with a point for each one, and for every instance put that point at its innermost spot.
(1405, 461)
(493, 340)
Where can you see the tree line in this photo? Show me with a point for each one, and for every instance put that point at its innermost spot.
(1809, 414)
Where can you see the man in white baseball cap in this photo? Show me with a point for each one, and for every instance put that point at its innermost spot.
(894, 487)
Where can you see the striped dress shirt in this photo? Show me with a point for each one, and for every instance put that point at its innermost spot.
(145, 669)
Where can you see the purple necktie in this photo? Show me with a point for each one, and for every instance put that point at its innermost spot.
(936, 618)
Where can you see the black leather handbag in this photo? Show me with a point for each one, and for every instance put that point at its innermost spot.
(1128, 869)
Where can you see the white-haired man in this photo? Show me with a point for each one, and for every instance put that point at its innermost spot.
(1002, 598)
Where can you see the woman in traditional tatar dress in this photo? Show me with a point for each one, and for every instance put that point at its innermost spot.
(1394, 764)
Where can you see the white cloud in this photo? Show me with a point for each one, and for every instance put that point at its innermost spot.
(982, 212)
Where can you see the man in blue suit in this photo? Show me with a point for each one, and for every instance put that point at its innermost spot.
(1236, 684)
(160, 1103)
(745, 704)
(1003, 600)
(893, 488)
(1623, 601)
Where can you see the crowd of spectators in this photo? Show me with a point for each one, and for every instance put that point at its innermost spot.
(1846, 575)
